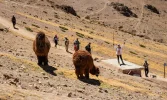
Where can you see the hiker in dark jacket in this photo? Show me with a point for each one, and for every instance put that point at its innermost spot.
(14, 21)
(56, 40)
(146, 68)
(76, 45)
(88, 48)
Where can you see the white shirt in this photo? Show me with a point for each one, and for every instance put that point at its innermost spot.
(118, 50)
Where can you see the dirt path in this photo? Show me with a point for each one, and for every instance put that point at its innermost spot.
(29, 35)
(98, 11)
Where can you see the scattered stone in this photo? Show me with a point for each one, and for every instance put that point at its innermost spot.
(7, 76)
(106, 91)
(16, 80)
(65, 85)
(70, 94)
(9, 50)
(13, 83)
(124, 10)
(1, 29)
(45, 77)
(36, 87)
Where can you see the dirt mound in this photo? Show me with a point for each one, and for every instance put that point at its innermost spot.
(152, 8)
(124, 10)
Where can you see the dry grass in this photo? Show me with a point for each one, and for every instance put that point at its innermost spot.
(154, 63)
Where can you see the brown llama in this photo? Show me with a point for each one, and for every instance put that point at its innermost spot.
(83, 63)
(41, 47)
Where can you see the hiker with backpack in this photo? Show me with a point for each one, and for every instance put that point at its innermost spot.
(88, 48)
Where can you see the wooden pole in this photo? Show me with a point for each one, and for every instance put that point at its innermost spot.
(164, 71)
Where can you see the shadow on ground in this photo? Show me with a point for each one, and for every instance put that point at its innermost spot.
(91, 81)
(49, 69)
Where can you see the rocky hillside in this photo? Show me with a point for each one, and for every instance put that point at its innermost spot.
(138, 25)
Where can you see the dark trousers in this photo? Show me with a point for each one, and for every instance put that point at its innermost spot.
(14, 24)
(120, 56)
(146, 72)
(56, 42)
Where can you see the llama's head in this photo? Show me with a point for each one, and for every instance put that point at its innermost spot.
(40, 39)
(95, 71)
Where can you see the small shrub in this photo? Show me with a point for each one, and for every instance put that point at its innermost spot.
(35, 26)
(29, 29)
(143, 46)
(63, 28)
(91, 32)
(106, 42)
(80, 35)
(45, 12)
(90, 37)
(87, 17)
(24, 23)
(133, 52)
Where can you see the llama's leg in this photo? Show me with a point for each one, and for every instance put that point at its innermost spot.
(39, 60)
(81, 73)
(77, 71)
(87, 73)
(45, 60)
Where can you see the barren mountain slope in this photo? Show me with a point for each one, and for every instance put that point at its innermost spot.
(95, 21)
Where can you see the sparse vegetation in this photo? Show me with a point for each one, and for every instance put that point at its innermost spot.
(90, 37)
(24, 23)
(63, 28)
(106, 42)
(133, 53)
(152, 8)
(91, 32)
(143, 46)
(80, 35)
(35, 25)
(29, 29)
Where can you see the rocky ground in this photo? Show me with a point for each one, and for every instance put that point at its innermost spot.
(22, 78)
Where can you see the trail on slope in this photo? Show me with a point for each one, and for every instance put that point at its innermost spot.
(23, 32)
(98, 11)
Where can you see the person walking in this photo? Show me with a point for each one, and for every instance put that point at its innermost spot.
(88, 48)
(119, 54)
(56, 40)
(76, 45)
(14, 21)
(146, 68)
(66, 44)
